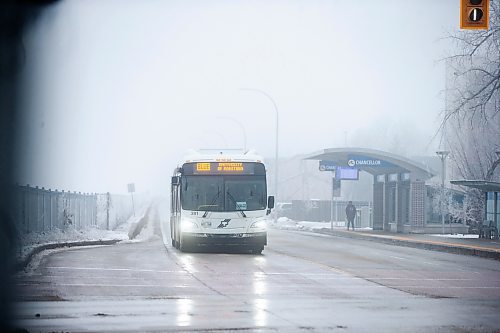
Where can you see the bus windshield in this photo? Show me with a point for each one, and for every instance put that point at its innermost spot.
(223, 193)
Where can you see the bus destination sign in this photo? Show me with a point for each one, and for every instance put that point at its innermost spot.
(219, 168)
(230, 166)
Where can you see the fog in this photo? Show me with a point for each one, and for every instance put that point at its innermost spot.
(117, 91)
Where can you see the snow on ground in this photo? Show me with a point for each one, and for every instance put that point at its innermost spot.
(288, 224)
(32, 240)
(456, 235)
(28, 242)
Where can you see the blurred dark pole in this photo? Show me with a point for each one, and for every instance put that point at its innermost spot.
(15, 16)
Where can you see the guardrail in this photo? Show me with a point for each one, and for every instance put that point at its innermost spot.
(38, 210)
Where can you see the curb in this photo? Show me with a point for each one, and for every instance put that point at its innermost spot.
(136, 228)
(426, 245)
(26, 260)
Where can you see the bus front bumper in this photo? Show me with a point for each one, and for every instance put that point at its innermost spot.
(256, 239)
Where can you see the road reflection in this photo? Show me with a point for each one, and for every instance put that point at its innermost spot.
(260, 289)
(184, 312)
(186, 261)
(259, 283)
(260, 312)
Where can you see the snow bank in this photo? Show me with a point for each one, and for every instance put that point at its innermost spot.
(456, 235)
(288, 224)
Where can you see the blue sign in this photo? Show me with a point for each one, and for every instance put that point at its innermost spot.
(359, 161)
(327, 166)
(347, 173)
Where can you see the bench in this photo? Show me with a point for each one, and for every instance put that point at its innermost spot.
(488, 230)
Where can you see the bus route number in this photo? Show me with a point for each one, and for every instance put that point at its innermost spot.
(204, 167)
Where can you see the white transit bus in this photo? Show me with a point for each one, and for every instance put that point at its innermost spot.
(220, 199)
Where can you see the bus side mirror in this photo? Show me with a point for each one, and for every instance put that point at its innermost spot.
(176, 180)
(270, 202)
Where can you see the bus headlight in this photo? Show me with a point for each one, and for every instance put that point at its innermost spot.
(259, 224)
(187, 225)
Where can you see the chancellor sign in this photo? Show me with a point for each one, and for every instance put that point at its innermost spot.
(326, 165)
(364, 161)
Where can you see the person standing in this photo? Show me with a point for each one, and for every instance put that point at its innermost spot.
(350, 212)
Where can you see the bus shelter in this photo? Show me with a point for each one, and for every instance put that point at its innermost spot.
(491, 192)
(399, 191)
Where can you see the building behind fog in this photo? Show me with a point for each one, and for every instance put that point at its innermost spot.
(407, 195)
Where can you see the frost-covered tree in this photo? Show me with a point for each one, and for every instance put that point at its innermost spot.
(472, 116)
(476, 72)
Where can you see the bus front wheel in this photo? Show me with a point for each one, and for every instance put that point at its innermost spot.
(182, 246)
(257, 250)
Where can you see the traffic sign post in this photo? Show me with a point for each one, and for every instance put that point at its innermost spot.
(335, 193)
(131, 190)
(474, 14)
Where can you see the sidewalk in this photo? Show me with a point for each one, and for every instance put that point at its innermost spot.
(54, 239)
(487, 248)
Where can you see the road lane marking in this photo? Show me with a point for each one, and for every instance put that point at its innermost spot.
(473, 247)
(399, 258)
(429, 263)
(320, 276)
(113, 269)
(442, 287)
(111, 285)
(413, 241)
(339, 286)
(118, 285)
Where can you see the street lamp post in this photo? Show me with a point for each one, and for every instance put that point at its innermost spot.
(242, 129)
(276, 144)
(442, 155)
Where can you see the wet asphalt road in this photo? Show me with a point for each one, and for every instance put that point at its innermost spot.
(302, 282)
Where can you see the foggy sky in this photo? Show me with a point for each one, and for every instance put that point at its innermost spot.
(117, 91)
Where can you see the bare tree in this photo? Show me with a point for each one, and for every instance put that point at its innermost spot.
(473, 147)
(472, 115)
(471, 121)
(476, 67)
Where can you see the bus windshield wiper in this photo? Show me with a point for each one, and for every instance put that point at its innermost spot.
(212, 203)
(236, 204)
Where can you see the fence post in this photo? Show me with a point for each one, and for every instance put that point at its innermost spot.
(42, 192)
(63, 214)
(87, 215)
(95, 210)
(50, 208)
(108, 201)
(26, 209)
(79, 204)
(84, 209)
(37, 213)
(56, 195)
(86, 202)
(80, 215)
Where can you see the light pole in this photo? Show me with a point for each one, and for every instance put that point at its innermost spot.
(218, 134)
(442, 155)
(242, 128)
(276, 144)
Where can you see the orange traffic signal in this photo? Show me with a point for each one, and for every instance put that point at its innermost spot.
(474, 14)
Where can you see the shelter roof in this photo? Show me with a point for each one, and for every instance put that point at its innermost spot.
(373, 161)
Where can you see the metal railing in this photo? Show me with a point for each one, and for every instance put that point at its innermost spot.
(38, 210)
